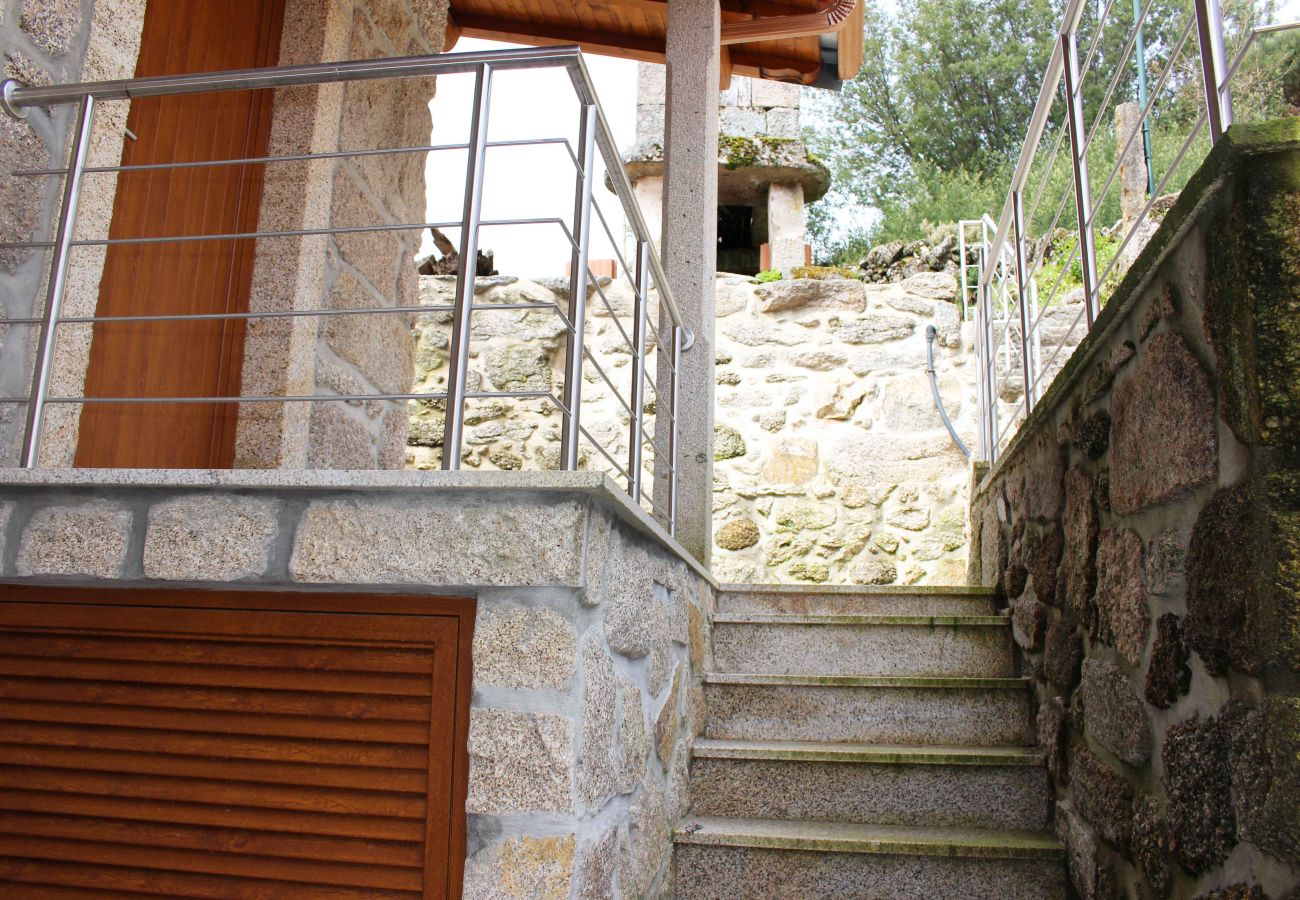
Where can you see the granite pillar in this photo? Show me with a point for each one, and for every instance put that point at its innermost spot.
(689, 250)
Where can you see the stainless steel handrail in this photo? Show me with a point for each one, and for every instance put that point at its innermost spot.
(1008, 270)
(672, 336)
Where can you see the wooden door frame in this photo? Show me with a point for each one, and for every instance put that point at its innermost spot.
(455, 680)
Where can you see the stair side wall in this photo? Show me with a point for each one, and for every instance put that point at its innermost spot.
(1144, 528)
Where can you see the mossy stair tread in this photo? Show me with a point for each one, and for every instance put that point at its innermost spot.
(940, 621)
(850, 590)
(847, 752)
(848, 837)
(865, 681)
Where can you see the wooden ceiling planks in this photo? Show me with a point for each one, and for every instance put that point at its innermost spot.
(635, 29)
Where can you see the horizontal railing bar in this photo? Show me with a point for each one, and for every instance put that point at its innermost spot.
(303, 232)
(294, 157)
(293, 398)
(294, 76)
(287, 314)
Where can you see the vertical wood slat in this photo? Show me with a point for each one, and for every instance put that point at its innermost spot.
(210, 811)
(181, 358)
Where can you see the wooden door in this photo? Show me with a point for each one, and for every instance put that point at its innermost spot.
(173, 359)
(232, 744)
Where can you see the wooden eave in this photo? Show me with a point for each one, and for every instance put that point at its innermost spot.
(774, 39)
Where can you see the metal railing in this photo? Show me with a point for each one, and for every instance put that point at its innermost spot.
(1011, 316)
(645, 273)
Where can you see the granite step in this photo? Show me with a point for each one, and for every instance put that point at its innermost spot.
(862, 600)
(876, 784)
(786, 644)
(980, 712)
(759, 859)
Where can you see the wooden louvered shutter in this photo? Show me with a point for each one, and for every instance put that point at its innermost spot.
(231, 745)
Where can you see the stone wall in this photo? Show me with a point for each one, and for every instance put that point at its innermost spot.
(64, 41)
(1143, 528)
(588, 646)
(832, 464)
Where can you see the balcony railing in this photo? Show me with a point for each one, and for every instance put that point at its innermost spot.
(1025, 333)
(654, 321)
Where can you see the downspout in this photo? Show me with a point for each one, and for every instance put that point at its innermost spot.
(930, 333)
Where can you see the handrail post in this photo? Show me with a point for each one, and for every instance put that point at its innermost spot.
(674, 393)
(1218, 100)
(575, 343)
(457, 372)
(1082, 191)
(1022, 288)
(639, 323)
(42, 365)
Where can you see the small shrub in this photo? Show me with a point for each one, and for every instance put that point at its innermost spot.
(768, 275)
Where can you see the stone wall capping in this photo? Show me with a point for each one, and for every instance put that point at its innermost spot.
(418, 487)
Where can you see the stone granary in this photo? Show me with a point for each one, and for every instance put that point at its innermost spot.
(243, 654)
(765, 172)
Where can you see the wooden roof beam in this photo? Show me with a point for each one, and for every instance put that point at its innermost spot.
(646, 49)
(776, 28)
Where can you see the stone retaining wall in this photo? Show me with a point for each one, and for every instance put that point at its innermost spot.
(588, 647)
(832, 464)
(1144, 527)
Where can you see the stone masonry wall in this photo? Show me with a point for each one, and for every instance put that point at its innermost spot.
(1144, 528)
(588, 646)
(832, 464)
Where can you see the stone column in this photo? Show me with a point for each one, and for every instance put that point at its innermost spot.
(690, 249)
(785, 225)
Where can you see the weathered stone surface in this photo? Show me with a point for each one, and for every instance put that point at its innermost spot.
(1122, 617)
(800, 515)
(635, 619)
(1163, 440)
(522, 868)
(387, 542)
(818, 360)
(932, 285)
(90, 539)
(596, 776)
(594, 868)
(737, 534)
(873, 328)
(519, 762)
(1092, 434)
(1062, 653)
(1198, 787)
(633, 736)
(668, 721)
(1151, 844)
(791, 460)
(1046, 472)
(209, 538)
(1080, 843)
(1102, 796)
(524, 647)
(1238, 891)
(519, 367)
(52, 25)
(1168, 675)
(1053, 735)
(1113, 714)
(1224, 589)
(874, 571)
(1265, 764)
(648, 840)
(1028, 621)
(808, 293)
(1016, 575)
(993, 547)
(1044, 554)
(810, 571)
(727, 442)
(1166, 556)
(1079, 555)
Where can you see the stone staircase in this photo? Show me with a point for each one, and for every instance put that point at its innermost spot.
(865, 743)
